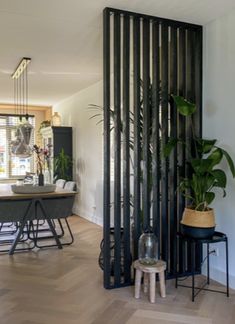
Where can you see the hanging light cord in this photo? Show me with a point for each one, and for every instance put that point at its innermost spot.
(26, 92)
(20, 77)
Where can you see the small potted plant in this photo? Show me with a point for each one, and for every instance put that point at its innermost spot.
(205, 175)
(63, 166)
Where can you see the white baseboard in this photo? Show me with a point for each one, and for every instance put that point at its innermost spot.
(84, 214)
(220, 276)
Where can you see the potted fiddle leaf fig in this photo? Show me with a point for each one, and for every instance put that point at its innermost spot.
(205, 175)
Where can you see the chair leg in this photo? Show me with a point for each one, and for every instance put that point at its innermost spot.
(138, 275)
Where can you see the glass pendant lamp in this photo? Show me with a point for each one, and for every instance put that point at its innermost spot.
(21, 145)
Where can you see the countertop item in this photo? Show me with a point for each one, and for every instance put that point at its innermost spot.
(29, 188)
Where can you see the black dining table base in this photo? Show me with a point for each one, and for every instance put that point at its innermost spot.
(33, 218)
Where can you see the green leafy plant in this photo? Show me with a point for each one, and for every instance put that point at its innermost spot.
(62, 166)
(44, 123)
(204, 156)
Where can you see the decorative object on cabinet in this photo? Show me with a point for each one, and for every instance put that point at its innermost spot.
(58, 138)
(44, 123)
(56, 119)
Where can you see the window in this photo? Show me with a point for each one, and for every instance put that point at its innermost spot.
(12, 166)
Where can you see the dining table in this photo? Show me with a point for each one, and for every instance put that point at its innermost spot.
(23, 208)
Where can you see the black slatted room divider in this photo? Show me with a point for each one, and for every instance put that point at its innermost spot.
(145, 60)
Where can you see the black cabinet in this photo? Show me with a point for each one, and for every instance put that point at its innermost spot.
(58, 138)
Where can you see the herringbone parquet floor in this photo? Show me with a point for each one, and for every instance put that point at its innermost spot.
(65, 287)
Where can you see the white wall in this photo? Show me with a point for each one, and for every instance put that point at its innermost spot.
(219, 123)
(87, 150)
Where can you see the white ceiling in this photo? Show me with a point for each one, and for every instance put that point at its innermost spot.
(64, 40)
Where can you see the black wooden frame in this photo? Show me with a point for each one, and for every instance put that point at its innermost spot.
(151, 58)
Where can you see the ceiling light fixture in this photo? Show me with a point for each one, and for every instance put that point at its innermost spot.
(21, 67)
(20, 146)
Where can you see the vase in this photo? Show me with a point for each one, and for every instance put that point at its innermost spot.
(148, 248)
(56, 119)
(41, 179)
(47, 177)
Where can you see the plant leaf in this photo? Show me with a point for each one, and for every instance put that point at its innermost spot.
(184, 184)
(209, 197)
(224, 192)
(220, 178)
(169, 146)
(202, 166)
(205, 146)
(216, 156)
(230, 162)
(94, 116)
(208, 181)
(184, 107)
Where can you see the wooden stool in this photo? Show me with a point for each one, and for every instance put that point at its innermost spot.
(150, 278)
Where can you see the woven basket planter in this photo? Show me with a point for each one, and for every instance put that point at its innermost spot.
(198, 224)
(196, 218)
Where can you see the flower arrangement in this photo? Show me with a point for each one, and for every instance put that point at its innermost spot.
(42, 157)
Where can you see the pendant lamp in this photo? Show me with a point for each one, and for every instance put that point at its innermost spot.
(20, 146)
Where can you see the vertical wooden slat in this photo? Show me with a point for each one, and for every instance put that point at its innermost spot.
(190, 97)
(146, 125)
(126, 147)
(198, 100)
(173, 157)
(155, 131)
(164, 123)
(106, 148)
(137, 152)
(194, 97)
(198, 81)
(190, 76)
(117, 151)
(181, 134)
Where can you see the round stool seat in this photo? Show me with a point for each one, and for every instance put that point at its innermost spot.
(159, 266)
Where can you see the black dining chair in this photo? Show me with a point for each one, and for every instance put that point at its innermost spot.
(70, 185)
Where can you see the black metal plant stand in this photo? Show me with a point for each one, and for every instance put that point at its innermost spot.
(216, 238)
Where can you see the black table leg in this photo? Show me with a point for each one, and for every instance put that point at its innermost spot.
(227, 273)
(193, 268)
(21, 227)
(193, 247)
(176, 270)
(208, 264)
(58, 243)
